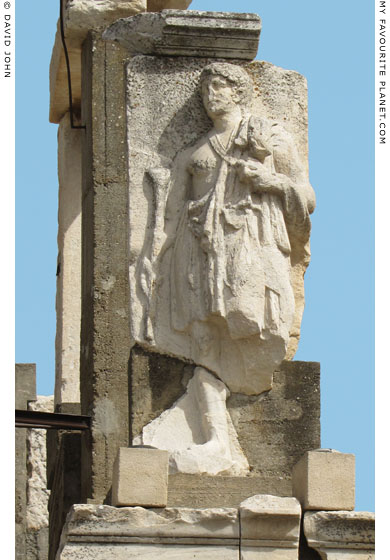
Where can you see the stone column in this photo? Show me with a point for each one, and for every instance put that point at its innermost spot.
(105, 334)
(79, 18)
(68, 299)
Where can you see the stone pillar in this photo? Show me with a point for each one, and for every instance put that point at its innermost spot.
(65, 484)
(68, 299)
(195, 238)
(79, 18)
(105, 323)
(25, 392)
(139, 112)
(31, 494)
(37, 515)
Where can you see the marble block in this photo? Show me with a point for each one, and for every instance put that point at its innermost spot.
(341, 535)
(189, 33)
(324, 479)
(150, 552)
(243, 334)
(80, 17)
(263, 528)
(270, 528)
(105, 533)
(140, 477)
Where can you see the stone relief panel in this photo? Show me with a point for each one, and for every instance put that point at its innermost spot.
(219, 205)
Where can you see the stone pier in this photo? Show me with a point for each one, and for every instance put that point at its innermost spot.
(184, 237)
(31, 494)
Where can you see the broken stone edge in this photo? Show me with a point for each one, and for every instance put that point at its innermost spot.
(189, 33)
(340, 529)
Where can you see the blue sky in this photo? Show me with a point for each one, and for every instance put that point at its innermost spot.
(331, 44)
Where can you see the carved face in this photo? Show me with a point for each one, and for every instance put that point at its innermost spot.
(219, 95)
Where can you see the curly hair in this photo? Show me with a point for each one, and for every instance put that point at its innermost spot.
(235, 75)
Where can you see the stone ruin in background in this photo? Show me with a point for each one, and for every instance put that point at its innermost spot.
(184, 225)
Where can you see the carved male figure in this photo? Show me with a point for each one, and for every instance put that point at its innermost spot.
(238, 204)
(246, 200)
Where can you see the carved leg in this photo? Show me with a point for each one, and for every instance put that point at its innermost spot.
(198, 431)
(215, 455)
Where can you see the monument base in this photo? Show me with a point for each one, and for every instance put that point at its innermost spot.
(274, 429)
(263, 526)
(187, 490)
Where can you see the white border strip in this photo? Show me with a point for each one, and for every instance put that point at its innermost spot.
(382, 251)
(7, 228)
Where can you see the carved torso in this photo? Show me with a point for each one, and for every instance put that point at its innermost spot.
(203, 167)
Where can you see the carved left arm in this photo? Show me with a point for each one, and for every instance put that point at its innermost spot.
(289, 179)
(296, 193)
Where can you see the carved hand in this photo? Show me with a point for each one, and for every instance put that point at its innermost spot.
(259, 177)
(147, 276)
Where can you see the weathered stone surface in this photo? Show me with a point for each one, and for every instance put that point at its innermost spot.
(259, 513)
(277, 428)
(53, 440)
(149, 552)
(270, 528)
(148, 523)
(185, 490)
(105, 337)
(68, 298)
(197, 430)
(161, 320)
(105, 348)
(268, 553)
(158, 5)
(192, 33)
(156, 382)
(341, 535)
(106, 533)
(65, 484)
(273, 430)
(37, 513)
(324, 479)
(59, 94)
(80, 16)
(37, 544)
(140, 478)
(37, 493)
(25, 391)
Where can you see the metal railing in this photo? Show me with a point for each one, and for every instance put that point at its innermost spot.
(51, 420)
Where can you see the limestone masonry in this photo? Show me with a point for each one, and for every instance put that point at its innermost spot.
(184, 236)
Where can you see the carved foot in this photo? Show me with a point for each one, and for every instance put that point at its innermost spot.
(208, 458)
(198, 431)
